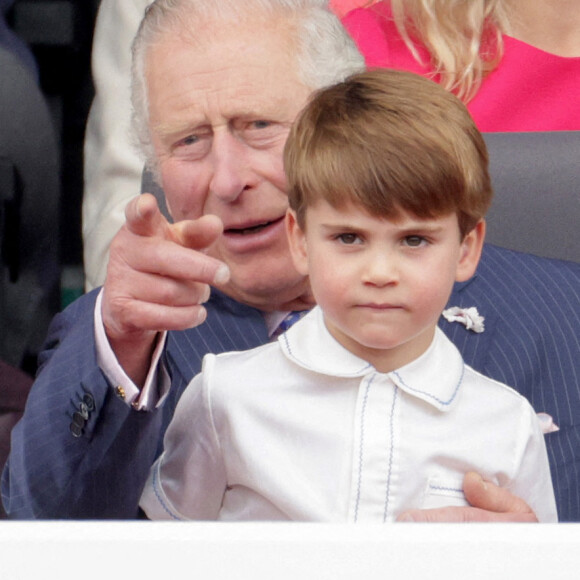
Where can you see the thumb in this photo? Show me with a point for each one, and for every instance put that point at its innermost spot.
(197, 234)
(490, 497)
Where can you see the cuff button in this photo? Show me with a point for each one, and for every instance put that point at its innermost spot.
(76, 430)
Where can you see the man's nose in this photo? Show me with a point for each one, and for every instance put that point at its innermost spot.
(231, 171)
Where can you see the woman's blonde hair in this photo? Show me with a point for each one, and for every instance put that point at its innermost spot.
(463, 37)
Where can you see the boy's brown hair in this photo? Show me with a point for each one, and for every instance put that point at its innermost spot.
(389, 141)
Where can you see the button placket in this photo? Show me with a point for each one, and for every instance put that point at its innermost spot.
(374, 464)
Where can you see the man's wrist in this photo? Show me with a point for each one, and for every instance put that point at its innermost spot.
(144, 389)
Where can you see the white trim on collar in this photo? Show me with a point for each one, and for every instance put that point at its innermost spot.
(435, 377)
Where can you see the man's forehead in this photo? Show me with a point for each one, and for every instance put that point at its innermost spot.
(217, 109)
(247, 27)
(208, 46)
(241, 75)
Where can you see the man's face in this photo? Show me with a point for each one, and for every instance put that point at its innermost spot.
(220, 112)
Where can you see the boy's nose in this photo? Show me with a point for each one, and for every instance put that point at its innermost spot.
(381, 269)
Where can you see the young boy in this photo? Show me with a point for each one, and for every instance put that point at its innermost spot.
(363, 409)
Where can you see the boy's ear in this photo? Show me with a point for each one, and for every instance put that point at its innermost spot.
(297, 243)
(470, 252)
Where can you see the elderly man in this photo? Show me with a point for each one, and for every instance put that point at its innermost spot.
(217, 84)
(112, 167)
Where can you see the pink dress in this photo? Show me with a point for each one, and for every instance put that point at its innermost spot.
(531, 90)
(341, 7)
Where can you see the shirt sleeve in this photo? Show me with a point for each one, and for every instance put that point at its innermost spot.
(157, 383)
(532, 481)
(188, 481)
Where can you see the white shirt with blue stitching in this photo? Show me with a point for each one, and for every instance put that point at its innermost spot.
(302, 429)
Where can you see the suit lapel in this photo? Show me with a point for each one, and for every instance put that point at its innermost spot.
(474, 347)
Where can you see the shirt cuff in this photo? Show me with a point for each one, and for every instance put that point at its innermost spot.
(157, 382)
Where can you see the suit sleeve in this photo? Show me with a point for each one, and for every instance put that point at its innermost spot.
(79, 451)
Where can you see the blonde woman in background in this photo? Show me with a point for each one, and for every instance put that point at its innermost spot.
(516, 63)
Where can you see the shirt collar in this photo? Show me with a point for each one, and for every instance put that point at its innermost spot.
(273, 320)
(435, 377)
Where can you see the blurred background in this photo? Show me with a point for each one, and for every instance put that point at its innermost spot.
(59, 34)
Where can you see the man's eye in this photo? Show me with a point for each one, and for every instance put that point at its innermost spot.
(191, 140)
(261, 124)
(348, 239)
(193, 146)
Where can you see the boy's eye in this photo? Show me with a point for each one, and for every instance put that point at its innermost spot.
(414, 241)
(348, 239)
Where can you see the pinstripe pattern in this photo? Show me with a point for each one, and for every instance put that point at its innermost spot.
(531, 342)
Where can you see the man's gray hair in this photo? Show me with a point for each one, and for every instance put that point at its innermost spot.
(325, 52)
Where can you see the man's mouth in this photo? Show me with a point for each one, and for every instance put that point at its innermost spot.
(252, 229)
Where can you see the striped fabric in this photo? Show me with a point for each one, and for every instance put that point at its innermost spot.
(532, 343)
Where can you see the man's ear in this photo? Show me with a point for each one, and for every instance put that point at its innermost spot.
(470, 252)
(297, 243)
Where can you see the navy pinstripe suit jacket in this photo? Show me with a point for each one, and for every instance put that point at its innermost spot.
(531, 342)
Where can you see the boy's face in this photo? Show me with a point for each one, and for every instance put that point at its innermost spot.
(382, 284)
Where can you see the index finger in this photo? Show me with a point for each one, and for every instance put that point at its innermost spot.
(144, 218)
